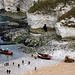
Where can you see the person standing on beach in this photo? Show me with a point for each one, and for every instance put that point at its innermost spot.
(32, 55)
(28, 62)
(22, 61)
(35, 56)
(35, 68)
(7, 71)
(13, 63)
(18, 65)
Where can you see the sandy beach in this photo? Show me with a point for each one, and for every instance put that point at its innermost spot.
(60, 68)
(44, 67)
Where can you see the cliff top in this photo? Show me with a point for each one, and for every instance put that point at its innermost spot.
(46, 6)
(69, 14)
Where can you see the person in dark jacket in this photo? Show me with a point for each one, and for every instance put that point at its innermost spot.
(18, 65)
(28, 62)
(35, 68)
(7, 71)
(22, 61)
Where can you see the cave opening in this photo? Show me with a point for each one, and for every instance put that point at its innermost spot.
(18, 9)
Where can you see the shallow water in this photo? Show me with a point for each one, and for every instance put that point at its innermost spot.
(17, 53)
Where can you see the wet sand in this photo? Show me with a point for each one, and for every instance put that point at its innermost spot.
(60, 68)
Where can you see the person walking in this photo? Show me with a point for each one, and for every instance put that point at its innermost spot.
(28, 62)
(13, 63)
(35, 68)
(22, 61)
(18, 65)
(7, 71)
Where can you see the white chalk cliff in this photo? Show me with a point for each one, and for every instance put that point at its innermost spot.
(66, 32)
(38, 20)
(14, 5)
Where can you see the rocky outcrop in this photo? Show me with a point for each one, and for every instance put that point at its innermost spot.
(66, 28)
(36, 20)
(16, 5)
(14, 33)
(10, 5)
(1, 4)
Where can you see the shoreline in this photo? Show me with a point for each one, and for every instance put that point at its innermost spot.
(23, 67)
(57, 56)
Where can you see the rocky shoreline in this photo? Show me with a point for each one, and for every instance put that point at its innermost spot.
(17, 29)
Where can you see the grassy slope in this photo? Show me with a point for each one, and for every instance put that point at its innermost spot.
(46, 5)
(68, 14)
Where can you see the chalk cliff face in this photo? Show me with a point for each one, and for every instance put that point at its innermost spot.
(38, 20)
(66, 32)
(16, 5)
(11, 5)
(1, 4)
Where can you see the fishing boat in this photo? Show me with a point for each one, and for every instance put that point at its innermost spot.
(44, 56)
(6, 52)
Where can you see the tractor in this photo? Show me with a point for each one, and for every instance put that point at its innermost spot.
(69, 60)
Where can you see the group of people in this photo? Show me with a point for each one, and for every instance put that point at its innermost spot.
(9, 71)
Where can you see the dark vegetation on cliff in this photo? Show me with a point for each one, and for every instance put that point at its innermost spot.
(69, 14)
(46, 6)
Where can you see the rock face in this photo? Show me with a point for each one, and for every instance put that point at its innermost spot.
(1, 4)
(38, 20)
(25, 5)
(16, 5)
(10, 5)
(66, 29)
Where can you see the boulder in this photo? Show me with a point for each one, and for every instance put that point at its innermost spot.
(66, 29)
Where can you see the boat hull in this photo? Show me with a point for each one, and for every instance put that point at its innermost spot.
(44, 56)
(6, 52)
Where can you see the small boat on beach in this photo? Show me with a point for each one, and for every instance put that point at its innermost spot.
(44, 56)
(6, 52)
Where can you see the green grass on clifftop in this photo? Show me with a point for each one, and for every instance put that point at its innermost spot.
(69, 14)
(46, 5)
